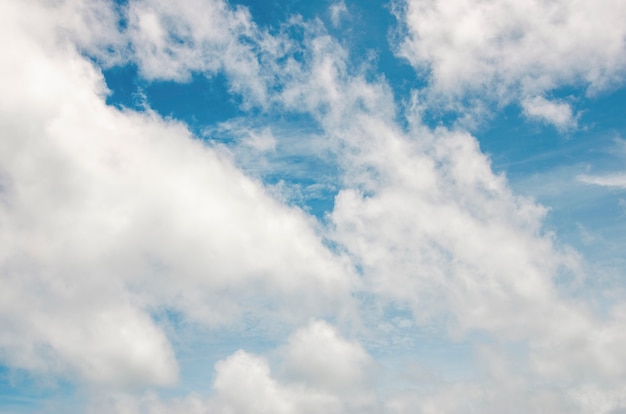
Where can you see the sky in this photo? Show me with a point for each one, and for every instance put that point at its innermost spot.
(405, 206)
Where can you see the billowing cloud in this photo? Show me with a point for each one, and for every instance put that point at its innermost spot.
(319, 356)
(109, 215)
(558, 114)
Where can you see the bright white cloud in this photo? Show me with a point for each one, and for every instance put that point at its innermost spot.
(245, 383)
(508, 51)
(171, 41)
(430, 225)
(320, 357)
(108, 215)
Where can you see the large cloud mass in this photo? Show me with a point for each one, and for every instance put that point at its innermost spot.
(108, 215)
(112, 218)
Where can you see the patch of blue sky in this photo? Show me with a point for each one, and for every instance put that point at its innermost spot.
(25, 392)
(519, 146)
(539, 161)
(272, 13)
(200, 102)
(206, 101)
(542, 163)
(368, 32)
(205, 104)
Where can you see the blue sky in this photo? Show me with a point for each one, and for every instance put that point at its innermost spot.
(415, 206)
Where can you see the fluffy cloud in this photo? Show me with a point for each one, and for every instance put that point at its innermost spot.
(109, 215)
(319, 356)
(439, 231)
(171, 41)
(245, 383)
(558, 114)
(508, 51)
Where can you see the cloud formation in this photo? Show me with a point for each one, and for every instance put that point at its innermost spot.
(109, 215)
(507, 51)
(112, 217)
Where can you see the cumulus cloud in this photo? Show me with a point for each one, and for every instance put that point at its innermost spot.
(245, 382)
(319, 356)
(509, 51)
(172, 41)
(109, 215)
(337, 11)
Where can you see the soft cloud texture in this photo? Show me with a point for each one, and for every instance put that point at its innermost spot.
(111, 216)
(558, 114)
(319, 365)
(509, 51)
(172, 41)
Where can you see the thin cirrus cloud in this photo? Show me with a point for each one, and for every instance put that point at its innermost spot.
(111, 217)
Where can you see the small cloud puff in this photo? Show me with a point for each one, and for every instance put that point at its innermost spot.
(556, 113)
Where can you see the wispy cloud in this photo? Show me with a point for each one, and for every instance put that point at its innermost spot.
(608, 180)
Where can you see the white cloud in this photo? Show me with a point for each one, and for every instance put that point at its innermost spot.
(558, 114)
(610, 180)
(108, 215)
(245, 383)
(508, 51)
(431, 226)
(318, 356)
